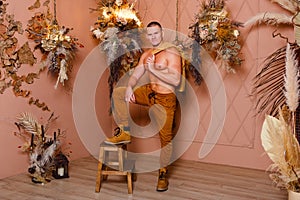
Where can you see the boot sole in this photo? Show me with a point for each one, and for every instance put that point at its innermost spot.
(161, 189)
(122, 142)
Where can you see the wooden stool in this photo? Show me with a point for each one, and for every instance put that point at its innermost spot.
(117, 166)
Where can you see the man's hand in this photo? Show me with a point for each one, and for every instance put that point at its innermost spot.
(129, 95)
(150, 62)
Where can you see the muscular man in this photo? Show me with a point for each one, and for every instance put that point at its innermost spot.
(163, 64)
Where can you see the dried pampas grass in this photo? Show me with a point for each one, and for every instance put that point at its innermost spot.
(290, 5)
(269, 18)
(291, 79)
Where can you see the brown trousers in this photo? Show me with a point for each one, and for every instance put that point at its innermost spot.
(164, 114)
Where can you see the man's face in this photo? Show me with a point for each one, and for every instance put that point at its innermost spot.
(155, 35)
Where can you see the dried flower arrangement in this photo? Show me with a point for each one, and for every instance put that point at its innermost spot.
(12, 58)
(268, 82)
(278, 135)
(283, 149)
(58, 48)
(117, 31)
(42, 148)
(218, 34)
(276, 88)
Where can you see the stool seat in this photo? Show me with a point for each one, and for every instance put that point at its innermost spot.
(117, 165)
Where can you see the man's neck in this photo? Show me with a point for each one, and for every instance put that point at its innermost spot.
(157, 46)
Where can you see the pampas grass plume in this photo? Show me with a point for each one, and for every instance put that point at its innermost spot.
(291, 79)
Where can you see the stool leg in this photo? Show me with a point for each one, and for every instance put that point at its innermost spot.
(98, 180)
(99, 170)
(129, 182)
(121, 163)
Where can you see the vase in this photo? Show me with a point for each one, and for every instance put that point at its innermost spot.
(293, 195)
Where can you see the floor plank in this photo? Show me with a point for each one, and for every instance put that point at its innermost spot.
(188, 180)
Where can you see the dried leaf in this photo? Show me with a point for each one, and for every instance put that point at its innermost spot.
(25, 55)
(46, 3)
(36, 4)
(3, 86)
(37, 103)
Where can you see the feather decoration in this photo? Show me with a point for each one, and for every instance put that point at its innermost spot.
(269, 18)
(41, 161)
(291, 79)
(289, 5)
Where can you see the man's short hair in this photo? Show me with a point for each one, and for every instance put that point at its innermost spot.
(154, 23)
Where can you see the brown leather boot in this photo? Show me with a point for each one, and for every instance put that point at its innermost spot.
(120, 137)
(162, 184)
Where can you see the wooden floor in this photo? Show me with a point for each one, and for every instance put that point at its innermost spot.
(188, 180)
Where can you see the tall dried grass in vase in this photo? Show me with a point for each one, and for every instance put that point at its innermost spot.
(278, 134)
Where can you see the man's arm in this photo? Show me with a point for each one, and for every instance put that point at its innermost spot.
(138, 72)
(171, 73)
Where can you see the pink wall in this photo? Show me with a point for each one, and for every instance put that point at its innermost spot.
(239, 144)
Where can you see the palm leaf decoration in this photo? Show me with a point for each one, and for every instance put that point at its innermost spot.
(268, 84)
(29, 123)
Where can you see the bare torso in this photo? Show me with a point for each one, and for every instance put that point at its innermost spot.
(161, 63)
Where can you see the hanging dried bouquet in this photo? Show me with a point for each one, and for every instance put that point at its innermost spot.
(117, 31)
(55, 43)
(217, 33)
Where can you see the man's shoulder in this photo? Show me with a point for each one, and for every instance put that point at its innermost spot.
(172, 49)
(168, 48)
(146, 53)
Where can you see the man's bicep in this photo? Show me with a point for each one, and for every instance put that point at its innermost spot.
(175, 62)
(139, 70)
